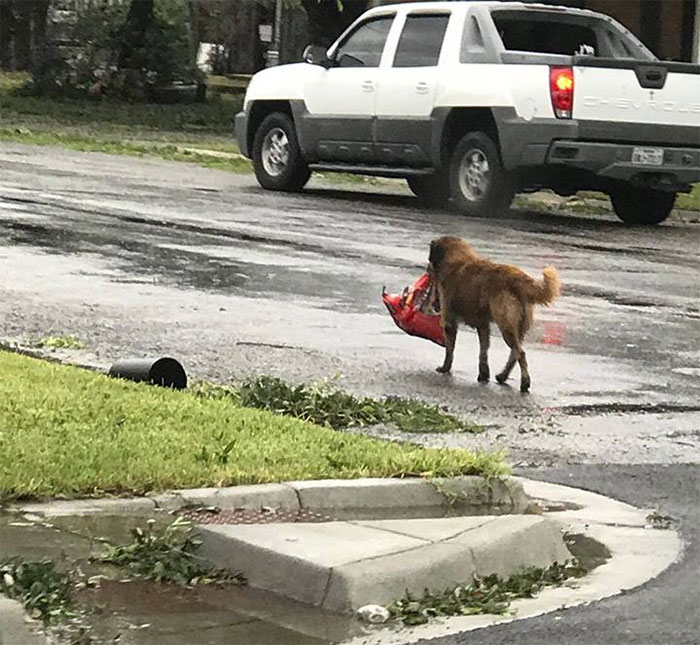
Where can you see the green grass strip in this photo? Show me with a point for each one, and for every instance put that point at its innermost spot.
(86, 143)
(70, 433)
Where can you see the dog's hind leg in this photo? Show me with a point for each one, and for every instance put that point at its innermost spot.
(505, 311)
(524, 372)
(450, 327)
(484, 341)
(515, 351)
(525, 324)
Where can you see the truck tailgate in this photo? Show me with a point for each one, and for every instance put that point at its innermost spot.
(640, 92)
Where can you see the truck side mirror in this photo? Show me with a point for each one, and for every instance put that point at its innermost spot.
(316, 55)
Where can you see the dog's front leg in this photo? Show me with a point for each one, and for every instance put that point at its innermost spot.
(450, 327)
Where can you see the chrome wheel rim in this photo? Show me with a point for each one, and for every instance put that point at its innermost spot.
(474, 175)
(275, 152)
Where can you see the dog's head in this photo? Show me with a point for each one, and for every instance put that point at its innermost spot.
(445, 250)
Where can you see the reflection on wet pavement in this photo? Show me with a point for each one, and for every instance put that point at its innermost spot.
(238, 281)
(147, 613)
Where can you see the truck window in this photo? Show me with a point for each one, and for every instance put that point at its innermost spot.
(530, 34)
(364, 46)
(421, 40)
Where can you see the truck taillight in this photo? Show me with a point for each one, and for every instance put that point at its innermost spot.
(561, 89)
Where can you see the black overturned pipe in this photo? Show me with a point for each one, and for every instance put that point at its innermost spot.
(165, 372)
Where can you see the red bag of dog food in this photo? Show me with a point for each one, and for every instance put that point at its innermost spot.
(417, 310)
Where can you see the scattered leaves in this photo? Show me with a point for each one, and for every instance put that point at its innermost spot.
(489, 595)
(325, 405)
(39, 586)
(166, 556)
(47, 595)
(61, 342)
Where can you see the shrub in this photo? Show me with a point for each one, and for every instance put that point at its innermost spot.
(112, 56)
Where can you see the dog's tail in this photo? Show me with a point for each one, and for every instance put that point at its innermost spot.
(547, 290)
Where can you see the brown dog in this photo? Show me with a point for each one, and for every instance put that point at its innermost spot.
(477, 291)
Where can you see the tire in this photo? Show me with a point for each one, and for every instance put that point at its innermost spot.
(277, 159)
(642, 206)
(432, 190)
(479, 184)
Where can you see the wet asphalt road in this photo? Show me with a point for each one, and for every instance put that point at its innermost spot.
(143, 257)
(665, 610)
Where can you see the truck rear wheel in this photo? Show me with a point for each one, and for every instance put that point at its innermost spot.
(642, 206)
(431, 190)
(479, 184)
(277, 159)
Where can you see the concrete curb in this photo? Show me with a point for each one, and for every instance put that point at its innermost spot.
(342, 566)
(319, 495)
(16, 628)
(371, 551)
(639, 554)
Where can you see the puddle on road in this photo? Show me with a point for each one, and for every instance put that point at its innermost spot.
(141, 612)
(147, 613)
(158, 256)
(591, 409)
(589, 552)
(214, 515)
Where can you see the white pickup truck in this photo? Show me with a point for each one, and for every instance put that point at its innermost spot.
(474, 101)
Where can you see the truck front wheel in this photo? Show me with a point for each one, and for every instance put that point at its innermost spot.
(642, 206)
(479, 184)
(277, 159)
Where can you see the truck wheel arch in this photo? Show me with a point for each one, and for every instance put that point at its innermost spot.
(457, 121)
(258, 111)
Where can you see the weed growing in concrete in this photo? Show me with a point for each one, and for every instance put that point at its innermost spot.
(659, 521)
(325, 405)
(489, 595)
(166, 556)
(60, 342)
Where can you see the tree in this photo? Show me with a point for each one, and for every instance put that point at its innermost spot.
(22, 32)
(327, 20)
(7, 24)
(139, 21)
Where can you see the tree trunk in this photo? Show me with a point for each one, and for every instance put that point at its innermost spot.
(7, 23)
(39, 16)
(23, 35)
(194, 30)
(327, 21)
(295, 35)
(138, 20)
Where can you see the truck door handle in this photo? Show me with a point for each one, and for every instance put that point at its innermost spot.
(368, 86)
(422, 87)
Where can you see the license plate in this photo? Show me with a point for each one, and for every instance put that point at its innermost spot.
(648, 156)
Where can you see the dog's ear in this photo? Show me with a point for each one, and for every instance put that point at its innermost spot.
(437, 254)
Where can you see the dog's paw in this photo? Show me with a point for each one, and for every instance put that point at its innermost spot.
(501, 378)
(525, 386)
(443, 370)
(484, 378)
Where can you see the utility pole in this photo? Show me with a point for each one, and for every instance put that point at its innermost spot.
(696, 34)
(273, 54)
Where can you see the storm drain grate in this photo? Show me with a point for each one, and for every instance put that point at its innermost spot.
(245, 516)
